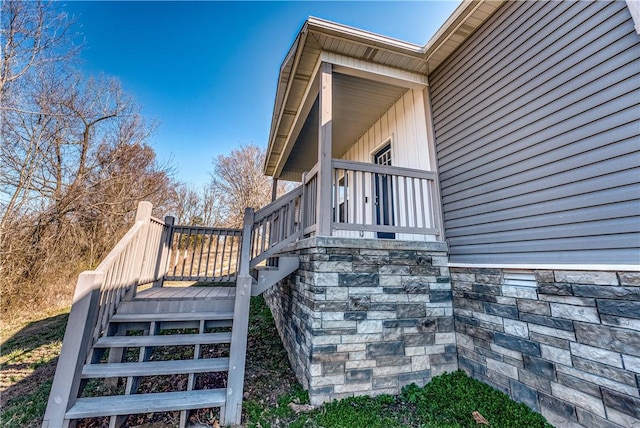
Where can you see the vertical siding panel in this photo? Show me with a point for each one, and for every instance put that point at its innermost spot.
(410, 127)
(421, 151)
(391, 132)
(384, 126)
(377, 138)
(400, 136)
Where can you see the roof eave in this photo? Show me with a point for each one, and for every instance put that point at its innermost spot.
(364, 37)
(467, 17)
(281, 92)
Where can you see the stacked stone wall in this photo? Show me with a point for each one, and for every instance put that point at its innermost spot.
(366, 316)
(568, 345)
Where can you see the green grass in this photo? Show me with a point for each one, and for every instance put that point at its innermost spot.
(26, 410)
(27, 359)
(448, 401)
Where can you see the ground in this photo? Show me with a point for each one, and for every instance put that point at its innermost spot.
(273, 397)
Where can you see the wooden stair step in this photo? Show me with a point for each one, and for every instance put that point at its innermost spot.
(162, 340)
(172, 316)
(155, 368)
(146, 403)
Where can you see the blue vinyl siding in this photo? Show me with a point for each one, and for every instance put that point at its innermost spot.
(537, 127)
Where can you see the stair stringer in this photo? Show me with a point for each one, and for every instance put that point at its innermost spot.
(117, 407)
(270, 276)
(231, 413)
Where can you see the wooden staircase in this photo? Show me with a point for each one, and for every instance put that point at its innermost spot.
(154, 326)
(117, 338)
(266, 276)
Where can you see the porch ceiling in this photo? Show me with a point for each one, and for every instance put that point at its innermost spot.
(357, 104)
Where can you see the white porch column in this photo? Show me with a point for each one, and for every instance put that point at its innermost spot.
(324, 151)
(274, 189)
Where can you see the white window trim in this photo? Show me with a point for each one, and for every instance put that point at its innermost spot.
(385, 142)
(619, 268)
(634, 8)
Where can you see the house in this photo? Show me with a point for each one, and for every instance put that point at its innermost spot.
(524, 119)
(468, 204)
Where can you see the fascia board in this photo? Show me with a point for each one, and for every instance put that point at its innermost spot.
(362, 36)
(296, 50)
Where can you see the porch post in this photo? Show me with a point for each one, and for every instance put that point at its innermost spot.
(274, 189)
(324, 151)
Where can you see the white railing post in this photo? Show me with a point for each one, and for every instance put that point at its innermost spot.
(143, 214)
(232, 411)
(164, 251)
(303, 204)
(76, 344)
(323, 205)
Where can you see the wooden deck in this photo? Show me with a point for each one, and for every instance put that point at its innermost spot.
(109, 308)
(186, 293)
(160, 300)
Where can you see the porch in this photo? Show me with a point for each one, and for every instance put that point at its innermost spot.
(355, 136)
(130, 291)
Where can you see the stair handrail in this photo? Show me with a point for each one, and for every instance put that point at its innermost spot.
(277, 204)
(96, 298)
(275, 226)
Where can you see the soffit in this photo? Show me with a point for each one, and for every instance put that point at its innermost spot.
(357, 104)
(302, 59)
(457, 28)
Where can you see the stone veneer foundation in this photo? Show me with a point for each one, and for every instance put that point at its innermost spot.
(365, 316)
(566, 343)
(371, 316)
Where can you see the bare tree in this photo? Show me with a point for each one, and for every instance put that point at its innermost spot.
(35, 46)
(195, 206)
(212, 206)
(33, 34)
(74, 158)
(241, 183)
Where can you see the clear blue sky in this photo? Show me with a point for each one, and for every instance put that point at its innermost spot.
(207, 71)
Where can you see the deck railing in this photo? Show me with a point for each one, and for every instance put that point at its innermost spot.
(386, 199)
(275, 226)
(367, 197)
(133, 261)
(203, 254)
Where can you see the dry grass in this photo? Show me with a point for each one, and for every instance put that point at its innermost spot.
(28, 356)
(22, 303)
(30, 347)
